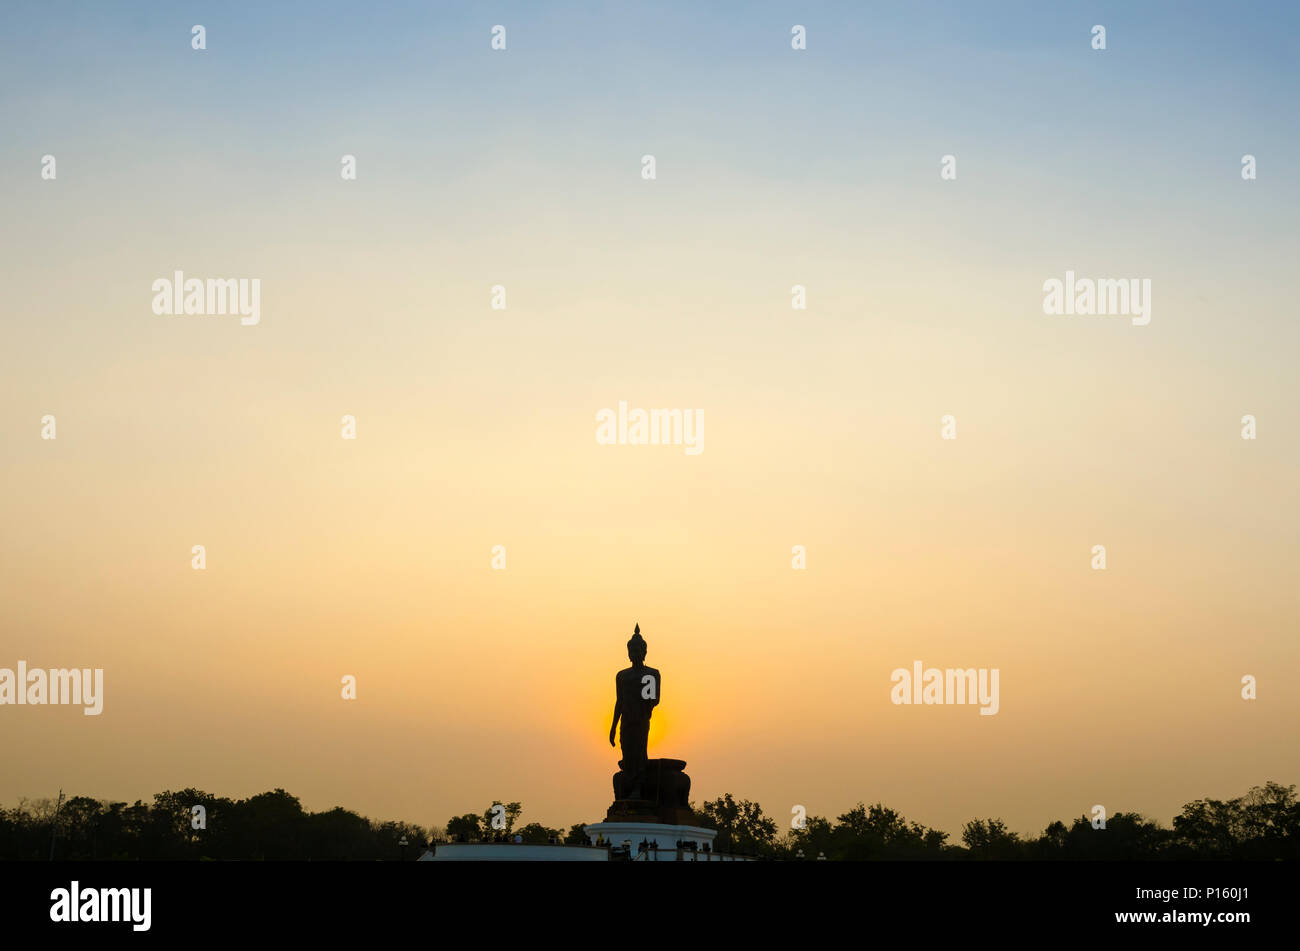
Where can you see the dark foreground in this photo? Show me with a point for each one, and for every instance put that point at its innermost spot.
(575, 902)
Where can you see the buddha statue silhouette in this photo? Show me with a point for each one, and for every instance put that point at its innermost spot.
(645, 790)
(636, 694)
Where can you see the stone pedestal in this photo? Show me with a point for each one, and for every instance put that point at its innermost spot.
(658, 792)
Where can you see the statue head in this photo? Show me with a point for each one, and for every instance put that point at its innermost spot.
(636, 647)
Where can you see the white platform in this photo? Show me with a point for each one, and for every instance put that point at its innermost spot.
(665, 837)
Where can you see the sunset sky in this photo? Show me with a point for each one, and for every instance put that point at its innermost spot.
(476, 427)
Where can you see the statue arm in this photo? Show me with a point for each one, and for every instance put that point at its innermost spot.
(618, 710)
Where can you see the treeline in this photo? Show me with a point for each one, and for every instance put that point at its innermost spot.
(270, 825)
(1262, 824)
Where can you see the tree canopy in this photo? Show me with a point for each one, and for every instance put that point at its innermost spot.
(1262, 824)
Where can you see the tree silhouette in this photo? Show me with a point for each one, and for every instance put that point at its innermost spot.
(990, 839)
(741, 826)
(499, 823)
(1262, 824)
(577, 834)
(463, 828)
(537, 834)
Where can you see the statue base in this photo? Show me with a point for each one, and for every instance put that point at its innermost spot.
(657, 792)
(644, 810)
